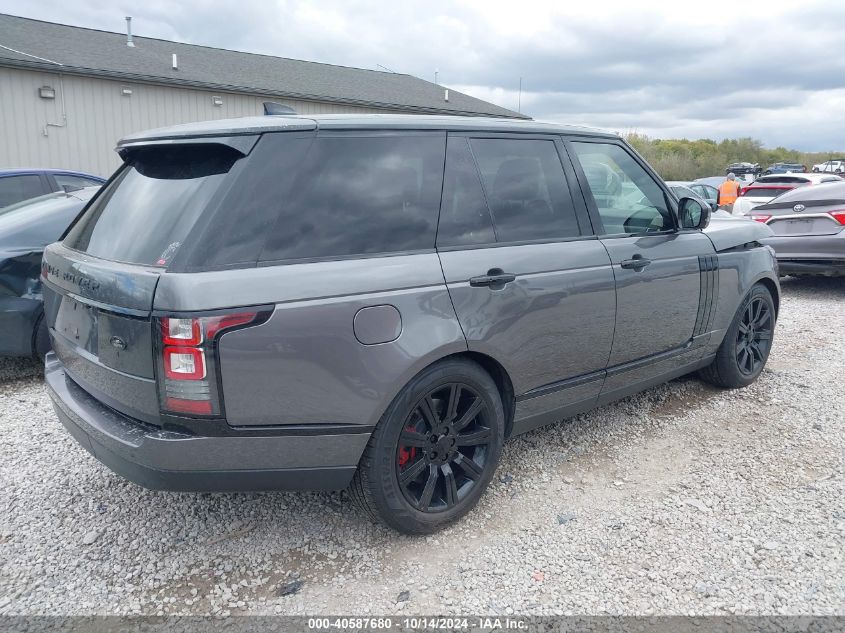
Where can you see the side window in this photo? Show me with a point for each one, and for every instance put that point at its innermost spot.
(357, 195)
(464, 217)
(69, 183)
(18, 188)
(627, 197)
(526, 189)
(707, 193)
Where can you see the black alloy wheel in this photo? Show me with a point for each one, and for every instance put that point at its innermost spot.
(435, 449)
(744, 350)
(754, 336)
(443, 448)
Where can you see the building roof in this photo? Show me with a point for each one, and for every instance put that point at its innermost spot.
(289, 123)
(42, 45)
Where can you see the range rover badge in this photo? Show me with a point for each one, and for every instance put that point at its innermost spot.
(117, 342)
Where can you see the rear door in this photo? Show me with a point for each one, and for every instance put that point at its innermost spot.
(531, 285)
(657, 268)
(100, 281)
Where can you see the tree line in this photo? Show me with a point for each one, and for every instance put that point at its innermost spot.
(683, 159)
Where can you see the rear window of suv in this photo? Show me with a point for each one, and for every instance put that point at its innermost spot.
(148, 210)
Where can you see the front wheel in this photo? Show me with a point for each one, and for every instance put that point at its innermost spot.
(747, 343)
(434, 451)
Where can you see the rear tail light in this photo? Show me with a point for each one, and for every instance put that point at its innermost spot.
(188, 362)
(839, 216)
(184, 363)
(760, 217)
(181, 331)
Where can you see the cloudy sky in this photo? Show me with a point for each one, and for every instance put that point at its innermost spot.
(772, 70)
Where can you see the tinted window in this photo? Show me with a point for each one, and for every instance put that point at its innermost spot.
(75, 182)
(148, 210)
(820, 192)
(357, 195)
(526, 189)
(16, 188)
(628, 198)
(235, 233)
(708, 193)
(783, 179)
(764, 192)
(683, 192)
(464, 217)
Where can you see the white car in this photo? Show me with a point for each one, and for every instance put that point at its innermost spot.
(766, 188)
(836, 166)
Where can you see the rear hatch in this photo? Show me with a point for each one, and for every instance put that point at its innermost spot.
(99, 319)
(808, 217)
(100, 281)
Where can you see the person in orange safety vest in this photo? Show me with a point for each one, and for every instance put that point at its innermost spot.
(728, 191)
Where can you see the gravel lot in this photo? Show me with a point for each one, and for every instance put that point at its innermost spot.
(680, 500)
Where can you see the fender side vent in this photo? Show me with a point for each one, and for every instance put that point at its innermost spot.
(709, 267)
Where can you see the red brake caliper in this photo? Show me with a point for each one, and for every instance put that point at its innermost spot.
(406, 454)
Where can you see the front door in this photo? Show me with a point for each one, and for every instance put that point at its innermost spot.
(658, 269)
(531, 286)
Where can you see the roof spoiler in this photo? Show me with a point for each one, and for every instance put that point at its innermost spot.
(271, 107)
(241, 144)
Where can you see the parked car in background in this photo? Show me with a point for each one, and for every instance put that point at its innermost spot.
(380, 301)
(715, 181)
(765, 188)
(784, 168)
(738, 169)
(701, 189)
(17, 185)
(834, 166)
(685, 190)
(708, 192)
(809, 229)
(24, 232)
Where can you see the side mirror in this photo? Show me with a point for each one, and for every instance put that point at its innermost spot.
(692, 214)
(714, 206)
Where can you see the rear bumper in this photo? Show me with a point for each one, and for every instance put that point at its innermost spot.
(811, 267)
(166, 460)
(811, 255)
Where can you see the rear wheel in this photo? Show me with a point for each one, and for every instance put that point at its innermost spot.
(434, 451)
(747, 343)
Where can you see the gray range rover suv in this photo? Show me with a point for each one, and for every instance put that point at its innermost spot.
(378, 302)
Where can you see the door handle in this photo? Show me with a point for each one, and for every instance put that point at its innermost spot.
(495, 278)
(638, 262)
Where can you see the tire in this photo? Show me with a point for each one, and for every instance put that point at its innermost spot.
(41, 339)
(747, 343)
(445, 427)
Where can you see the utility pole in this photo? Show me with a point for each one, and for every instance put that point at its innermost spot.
(519, 98)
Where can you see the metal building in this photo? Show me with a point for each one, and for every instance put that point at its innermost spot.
(67, 94)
